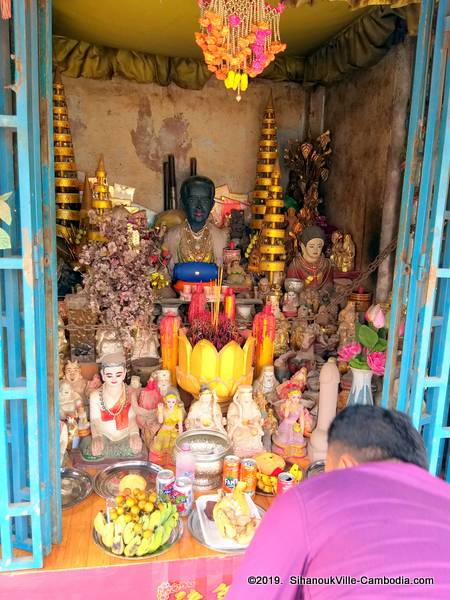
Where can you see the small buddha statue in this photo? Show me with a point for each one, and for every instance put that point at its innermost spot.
(337, 245)
(244, 423)
(348, 254)
(73, 376)
(347, 324)
(281, 343)
(237, 276)
(311, 266)
(70, 402)
(290, 304)
(289, 441)
(115, 432)
(196, 240)
(266, 384)
(205, 413)
(263, 289)
(170, 418)
(107, 342)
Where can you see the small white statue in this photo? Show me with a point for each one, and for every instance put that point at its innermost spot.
(146, 344)
(205, 412)
(107, 343)
(70, 402)
(266, 384)
(245, 423)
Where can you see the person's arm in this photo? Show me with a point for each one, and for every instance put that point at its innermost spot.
(279, 550)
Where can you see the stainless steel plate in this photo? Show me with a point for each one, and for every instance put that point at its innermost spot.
(76, 486)
(106, 482)
(196, 532)
(174, 537)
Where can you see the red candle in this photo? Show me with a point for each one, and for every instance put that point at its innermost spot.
(230, 304)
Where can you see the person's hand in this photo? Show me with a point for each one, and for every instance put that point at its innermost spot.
(135, 443)
(97, 445)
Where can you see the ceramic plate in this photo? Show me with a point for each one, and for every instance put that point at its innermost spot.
(76, 486)
(174, 537)
(106, 482)
(196, 532)
(209, 529)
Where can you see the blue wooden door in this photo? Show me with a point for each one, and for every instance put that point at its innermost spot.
(29, 429)
(421, 282)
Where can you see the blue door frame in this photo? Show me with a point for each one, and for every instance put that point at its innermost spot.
(421, 281)
(29, 429)
(30, 511)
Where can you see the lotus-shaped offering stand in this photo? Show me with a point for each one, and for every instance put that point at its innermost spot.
(223, 371)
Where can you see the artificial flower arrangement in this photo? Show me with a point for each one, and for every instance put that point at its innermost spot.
(122, 272)
(369, 350)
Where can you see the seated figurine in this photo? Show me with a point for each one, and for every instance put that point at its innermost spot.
(196, 240)
(244, 423)
(170, 418)
(146, 409)
(266, 384)
(70, 402)
(113, 422)
(205, 413)
(289, 440)
(311, 266)
(237, 276)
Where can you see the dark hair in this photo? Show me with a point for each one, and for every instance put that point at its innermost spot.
(373, 433)
(311, 233)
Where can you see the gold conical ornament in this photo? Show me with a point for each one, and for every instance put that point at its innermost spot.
(100, 198)
(271, 246)
(267, 157)
(67, 196)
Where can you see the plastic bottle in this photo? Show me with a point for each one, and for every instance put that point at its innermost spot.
(185, 463)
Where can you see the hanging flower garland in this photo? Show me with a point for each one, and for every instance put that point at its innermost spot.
(239, 39)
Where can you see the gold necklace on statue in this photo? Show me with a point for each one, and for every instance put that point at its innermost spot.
(195, 247)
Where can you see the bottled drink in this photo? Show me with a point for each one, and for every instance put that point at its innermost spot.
(185, 463)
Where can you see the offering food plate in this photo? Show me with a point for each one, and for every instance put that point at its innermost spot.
(106, 482)
(76, 486)
(195, 527)
(176, 534)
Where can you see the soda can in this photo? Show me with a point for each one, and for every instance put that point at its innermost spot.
(248, 474)
(230, 473)
(285, 482)
(165, 480)
(183, 496)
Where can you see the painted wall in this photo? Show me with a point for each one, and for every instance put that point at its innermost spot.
(136, 125)
(368, 141)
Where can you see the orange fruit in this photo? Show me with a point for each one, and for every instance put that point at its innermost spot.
(120, 500)
(149, 506)
(128, 518)
(126, 492)
(130, 502)
(134, 510)
(141, 504)
(120, 510)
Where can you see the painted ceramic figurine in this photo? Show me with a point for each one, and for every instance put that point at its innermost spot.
(266, 384)
(196, 240)
(290, 304)
(281, 343)
(73, 376)
(244, 423)
(107, 343)
(146, 344)
(311, 266)
(205, 413)
(170, 418)
(115, 432)
(289, 440)
(348, 254)
(164, 384)
(70, 402)
(237, 276)
(146, 409)
(269, 421)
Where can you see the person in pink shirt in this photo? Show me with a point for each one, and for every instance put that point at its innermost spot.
(376, 524)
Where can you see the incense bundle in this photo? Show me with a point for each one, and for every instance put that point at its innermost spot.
(166, 184)
(173, 200)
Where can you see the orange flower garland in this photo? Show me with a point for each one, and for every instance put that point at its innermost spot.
(239, 39)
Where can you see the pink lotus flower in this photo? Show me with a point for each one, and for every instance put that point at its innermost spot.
(349, 351)
(234, 20)
(375, 316)
(377, 362)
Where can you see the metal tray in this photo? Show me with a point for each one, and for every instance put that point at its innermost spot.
(76, 486)
(196, 532)
(106, 482)
(174, 537)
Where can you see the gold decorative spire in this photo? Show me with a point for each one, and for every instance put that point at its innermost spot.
(100, 197)
(67, 195)
(267, 156)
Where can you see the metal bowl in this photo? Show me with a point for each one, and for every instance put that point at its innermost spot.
(76, 486)
(315, 468)
(209, 449)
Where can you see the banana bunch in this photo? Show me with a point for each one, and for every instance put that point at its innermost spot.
(142, 535)
(266, 483)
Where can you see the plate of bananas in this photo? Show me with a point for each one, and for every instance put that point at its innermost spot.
(136, 527)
